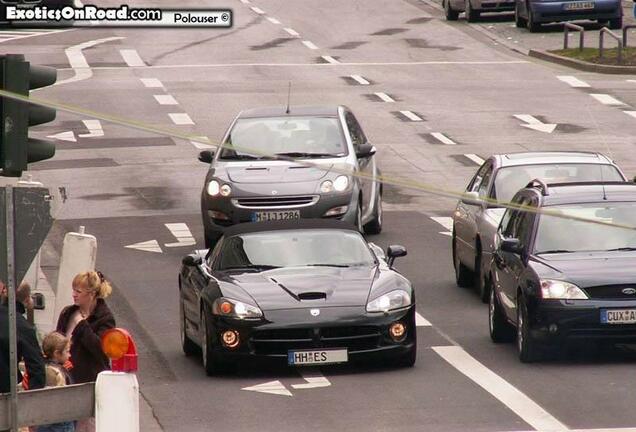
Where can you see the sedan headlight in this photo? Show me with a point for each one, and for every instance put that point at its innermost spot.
(235, 309)
(556, 289)
(214, 188)
(394, 300)
(341, 183)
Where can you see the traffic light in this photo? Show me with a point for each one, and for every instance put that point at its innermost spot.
(16, 148)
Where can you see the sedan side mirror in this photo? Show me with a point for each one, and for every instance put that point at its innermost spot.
(192, 260)
(393, 252)
(511, 245)
(206, 156)
(471, 198)
(365, 150)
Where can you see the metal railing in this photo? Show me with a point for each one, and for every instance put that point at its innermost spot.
(614, 36)
(627, 27)
(566, 30)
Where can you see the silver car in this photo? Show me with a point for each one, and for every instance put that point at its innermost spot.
(329, 170)
(499, 178)
(474, 8)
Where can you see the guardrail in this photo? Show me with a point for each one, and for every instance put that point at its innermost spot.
(566, 30)
(627, 27)
(605, 30)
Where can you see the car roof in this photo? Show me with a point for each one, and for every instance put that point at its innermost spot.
(294, 111)
(549, 157)
(297, 224)
(586, 192)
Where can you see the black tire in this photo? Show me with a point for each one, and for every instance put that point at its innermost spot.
(451, 15)
(375, 226)
(527, 346)
(520, 22)
(188, 346)
(463, 276)
(499, 328)
(616, 23)
(532, 26)
(472, 15)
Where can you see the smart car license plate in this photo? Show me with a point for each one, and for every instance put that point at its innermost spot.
(618, 316)
(275, 215)
(315, 357)
(579, 5)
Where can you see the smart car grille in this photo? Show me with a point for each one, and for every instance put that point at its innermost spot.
(276, 202)
(278, 342)
(613, 292)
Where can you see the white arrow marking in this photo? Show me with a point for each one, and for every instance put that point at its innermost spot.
(182, 234)
(147, 246)
(64, 136)
(420, 321)
(313, 381)
(446, 222)
(94, 129)
(533, 123)
(272, 387)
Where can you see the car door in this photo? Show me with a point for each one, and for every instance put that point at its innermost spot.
(365, 165)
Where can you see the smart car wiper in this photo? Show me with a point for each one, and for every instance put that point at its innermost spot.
(251, 267)
(554, 251)
(627, 248)
(307, 154)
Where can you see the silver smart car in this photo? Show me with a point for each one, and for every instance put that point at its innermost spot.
(323, 149)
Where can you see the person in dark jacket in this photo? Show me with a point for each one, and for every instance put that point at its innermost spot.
(28, 348)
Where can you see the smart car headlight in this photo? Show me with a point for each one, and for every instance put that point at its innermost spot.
(341, 183)
(214, 188)
(393, 300)
(326, 186)
(561, 290)
(235, 309)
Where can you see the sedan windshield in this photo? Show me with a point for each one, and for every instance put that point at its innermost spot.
(510, 179)
(293, 248)
(556, 234)
(296, 137)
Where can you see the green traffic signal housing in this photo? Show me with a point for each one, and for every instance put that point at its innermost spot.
(17, 150)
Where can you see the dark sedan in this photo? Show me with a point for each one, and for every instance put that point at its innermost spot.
(559, 279)
(308, 292)
(532, 13)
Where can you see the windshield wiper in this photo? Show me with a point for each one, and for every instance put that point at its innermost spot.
(242, 157)
(307, 154)
(256, 267)
(554, 251)
(626, 248)
(327, 265)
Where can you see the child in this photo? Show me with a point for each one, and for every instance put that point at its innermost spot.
(57, 351)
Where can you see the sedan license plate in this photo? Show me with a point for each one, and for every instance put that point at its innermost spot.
(579, 6)
(275, 215)
(317, 357)
(618, 316)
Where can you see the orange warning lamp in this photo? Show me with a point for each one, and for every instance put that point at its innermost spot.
(120, 348)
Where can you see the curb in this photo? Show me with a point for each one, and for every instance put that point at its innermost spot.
(582, 65)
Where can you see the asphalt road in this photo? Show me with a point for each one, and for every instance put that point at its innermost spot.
(124, 186)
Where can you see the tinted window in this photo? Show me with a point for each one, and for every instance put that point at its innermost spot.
(474, 184)
(510, 179)
(485, 182)
(269, 136)
(357, 136)
(295, 248)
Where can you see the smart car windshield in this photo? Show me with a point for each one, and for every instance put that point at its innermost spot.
(561, 234)
(293, 248)
(510, 179)
(297, 137)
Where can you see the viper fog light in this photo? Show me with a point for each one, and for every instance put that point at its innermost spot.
(218, 215)
(230, 338)
(397, 330)
(336, 211)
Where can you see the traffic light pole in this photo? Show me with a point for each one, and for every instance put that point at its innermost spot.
(13, 355)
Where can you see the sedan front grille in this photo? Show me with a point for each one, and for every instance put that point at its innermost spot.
(276, 202)
(613, 292)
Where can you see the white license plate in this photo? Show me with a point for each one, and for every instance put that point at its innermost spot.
(317, 357)
(579, 6)
(618, 316)
(275, 215)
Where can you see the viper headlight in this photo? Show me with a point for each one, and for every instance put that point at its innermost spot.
(235, 309)
(556, 289)
(393, 300)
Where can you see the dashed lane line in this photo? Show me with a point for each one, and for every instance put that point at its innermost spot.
(131, 57)
(384, 97)
(360, 80)
(181, 118)
(330, 59)
(420, 321)
(310, 45)
(606, 99)
(573, 81)
(291, 32)
(411, 116)
(258, 10)
(166, 100)
(443, 138)
(151, 82)
(630, 113)
(475, 158)
(202, 146)
(446, 222)
(273, 20)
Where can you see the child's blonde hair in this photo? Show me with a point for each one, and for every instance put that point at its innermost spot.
(53, 342)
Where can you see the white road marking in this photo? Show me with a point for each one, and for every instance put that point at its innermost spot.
(257, 10)
(78, 62)
(631, 81)
(360, 80)
(272, 387)
(446, 222)
(533, 123)
(182, 233)
(152, 82)
(94, 129)
(330, 59)
(64, 136)
(200, 145)
(420, 321)
(9, 35)
(573, 81)
(131, 57)
(147, 246)
(443, 138)
(606, 99)
(310, 45)
(166, 100)
(181, 119)
(245, 1)
(273, 20)
(505, 392)
(384, 97)
(473, 157)
(630, 113)
(411, 116)
(291, 31)
(313, 380)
